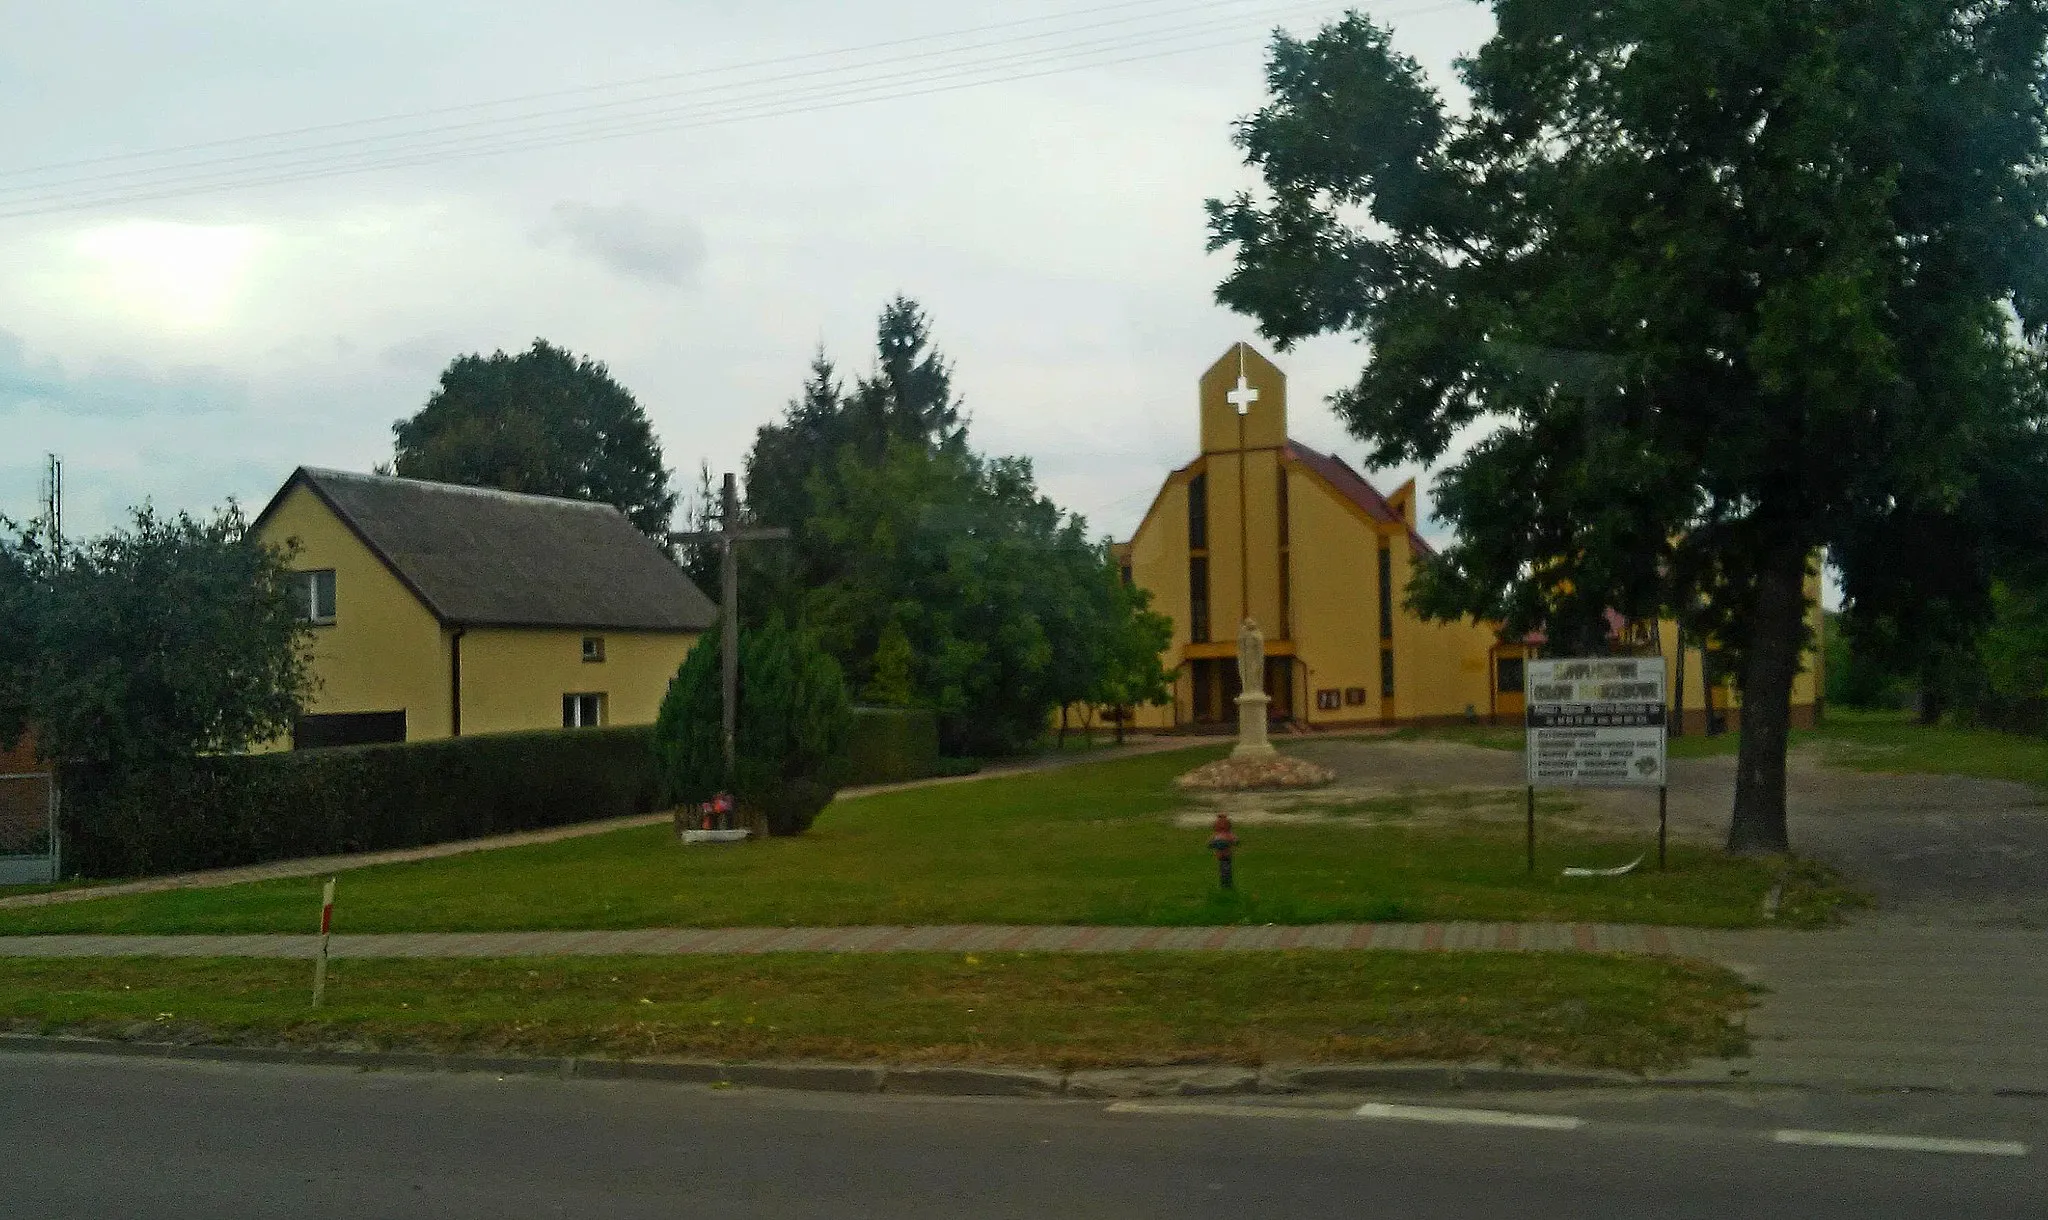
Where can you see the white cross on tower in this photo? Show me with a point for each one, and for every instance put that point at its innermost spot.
(1243, 396)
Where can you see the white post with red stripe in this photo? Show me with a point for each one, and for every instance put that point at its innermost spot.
(326, 926)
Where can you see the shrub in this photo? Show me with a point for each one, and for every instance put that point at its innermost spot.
(791, 729)
(886, 745)
(219, 812)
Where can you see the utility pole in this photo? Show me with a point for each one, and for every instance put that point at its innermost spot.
(53, 501)
(727, 538)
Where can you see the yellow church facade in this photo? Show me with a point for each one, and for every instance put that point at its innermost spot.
(1259, 525)
(440, 611)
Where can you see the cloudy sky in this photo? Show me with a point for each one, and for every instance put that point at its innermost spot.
(188, 347)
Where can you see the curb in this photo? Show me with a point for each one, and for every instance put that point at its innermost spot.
(918, 1080)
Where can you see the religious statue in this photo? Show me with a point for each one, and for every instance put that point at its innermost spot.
(1251, 705)
(1251, 658)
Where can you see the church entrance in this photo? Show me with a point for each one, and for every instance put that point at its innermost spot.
(1216, 688)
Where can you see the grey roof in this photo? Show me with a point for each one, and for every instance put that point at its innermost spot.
(480, 557)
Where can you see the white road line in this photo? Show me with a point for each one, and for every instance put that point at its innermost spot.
(1899, 1143)
(1222, 1110)
(1476, 1118)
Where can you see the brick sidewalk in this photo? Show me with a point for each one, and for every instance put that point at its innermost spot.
(960, 938)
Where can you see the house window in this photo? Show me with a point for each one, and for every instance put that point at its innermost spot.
(1198, 513)
(1386, 673)
(1198, 600)
(582, 711)
(313, 596)
(1124, 571)
(1510, 680)
(1386, 593)
(593, 648)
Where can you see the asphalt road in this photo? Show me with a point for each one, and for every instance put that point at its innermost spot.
(83, 1136)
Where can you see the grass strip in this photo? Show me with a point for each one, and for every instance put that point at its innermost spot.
(1094, 844)
(1043, 1010)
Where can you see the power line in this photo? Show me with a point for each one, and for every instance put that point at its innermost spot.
(512, 124)
(577, 91)
(539, 131)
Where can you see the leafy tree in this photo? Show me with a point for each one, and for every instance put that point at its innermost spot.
(18, 579)
(1710, 284)
(546, 422)
(790, 730)
(889, 672)
(161, 641)
(1138, 636)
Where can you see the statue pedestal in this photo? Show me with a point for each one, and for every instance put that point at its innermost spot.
(1251, 727)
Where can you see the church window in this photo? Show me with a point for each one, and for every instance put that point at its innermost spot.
(1198, 513)
(1198, 600)
(1386, 593)
(1283, 507)
(1510, 676)
(1386, 673)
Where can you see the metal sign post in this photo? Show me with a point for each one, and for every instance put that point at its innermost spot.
(1597, 722)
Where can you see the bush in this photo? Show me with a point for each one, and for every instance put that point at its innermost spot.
(887, 745)
(219, 812)
(792, 727)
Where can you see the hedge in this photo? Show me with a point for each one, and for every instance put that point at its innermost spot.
(887, 745)
(223, 812)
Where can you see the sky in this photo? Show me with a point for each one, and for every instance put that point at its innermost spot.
(194, 348)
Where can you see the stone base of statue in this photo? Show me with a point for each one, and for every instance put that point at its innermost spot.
(1251, 727)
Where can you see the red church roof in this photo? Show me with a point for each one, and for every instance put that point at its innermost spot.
(1354, 487)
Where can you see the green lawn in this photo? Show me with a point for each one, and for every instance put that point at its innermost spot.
(1094, 843)
(1066, 1011)
(1866, 741)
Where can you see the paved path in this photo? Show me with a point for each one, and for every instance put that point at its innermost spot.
(317, 866)
(961, 938)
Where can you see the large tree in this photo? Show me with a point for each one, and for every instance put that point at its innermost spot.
(1704, 286)
(936, 575)
(546, 422)
(168, 638)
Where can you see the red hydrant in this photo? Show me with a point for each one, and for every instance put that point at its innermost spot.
(1223, 842)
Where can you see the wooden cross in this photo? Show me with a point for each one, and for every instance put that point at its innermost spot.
(727, 538)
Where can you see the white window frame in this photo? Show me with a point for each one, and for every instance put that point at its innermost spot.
(309, 582)
(573, 707)
(593, 650)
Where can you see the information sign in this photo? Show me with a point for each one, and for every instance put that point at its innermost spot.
(1596, 722)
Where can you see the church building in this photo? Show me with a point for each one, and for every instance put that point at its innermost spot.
(1262, 526)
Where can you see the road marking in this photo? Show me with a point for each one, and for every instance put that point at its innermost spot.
(1899, 1143)
(1476, 1118)
(1222, 1110)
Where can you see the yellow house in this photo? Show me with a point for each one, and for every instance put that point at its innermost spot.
(441, 610)
(1263, 526)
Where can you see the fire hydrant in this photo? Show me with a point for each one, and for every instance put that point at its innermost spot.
(1223, 842)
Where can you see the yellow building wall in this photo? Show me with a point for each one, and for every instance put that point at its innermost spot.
(1336, 596)
(514, 678)
(1159, 563)
(385, 651)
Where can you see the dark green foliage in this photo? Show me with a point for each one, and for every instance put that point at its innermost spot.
(689, 757)
(545, 422)
(1129, 672)
(167, 638)
(790, 733)
(937, 576)
(18, 560)
(218, 812)
(1710, 285)
(886, 745)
